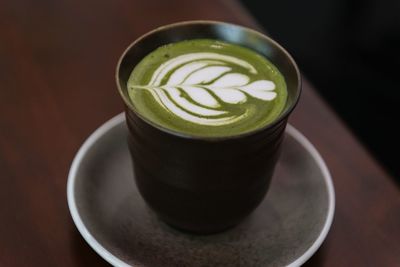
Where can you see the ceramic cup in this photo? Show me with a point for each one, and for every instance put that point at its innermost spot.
(204, 184)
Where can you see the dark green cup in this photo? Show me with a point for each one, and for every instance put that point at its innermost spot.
(204, 184)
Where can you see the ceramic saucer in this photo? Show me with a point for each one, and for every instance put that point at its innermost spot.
(285, 230)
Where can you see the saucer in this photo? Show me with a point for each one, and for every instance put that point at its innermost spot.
(285, 230)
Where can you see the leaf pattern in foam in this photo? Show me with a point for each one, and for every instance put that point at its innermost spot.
(198, 80)
(200, 87)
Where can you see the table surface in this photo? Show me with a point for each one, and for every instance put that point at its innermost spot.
(57, 61)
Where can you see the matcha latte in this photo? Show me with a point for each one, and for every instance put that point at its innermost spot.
(208, 88)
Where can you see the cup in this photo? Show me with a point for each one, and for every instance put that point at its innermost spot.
(204, 184)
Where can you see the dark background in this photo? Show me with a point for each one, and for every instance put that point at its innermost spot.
(350, 51)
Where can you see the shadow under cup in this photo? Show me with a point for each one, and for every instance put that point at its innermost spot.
(204, 184)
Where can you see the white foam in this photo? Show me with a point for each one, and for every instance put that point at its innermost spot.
(201, 82)
(229, 95)
(184, 103)
(163, 99)
(260, 89)
(259, 85)
(181, 73)
(230, 80)
(206, 75)
(171, 64)
(201, 96)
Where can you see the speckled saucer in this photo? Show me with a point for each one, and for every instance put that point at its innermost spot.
(286, 229)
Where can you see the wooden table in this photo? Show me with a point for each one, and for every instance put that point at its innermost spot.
(57, 61)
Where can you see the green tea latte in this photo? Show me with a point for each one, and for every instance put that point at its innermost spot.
(207, 88)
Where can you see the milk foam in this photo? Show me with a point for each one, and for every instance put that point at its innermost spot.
(198, 84)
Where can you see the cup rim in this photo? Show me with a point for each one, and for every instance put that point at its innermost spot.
(277, 120)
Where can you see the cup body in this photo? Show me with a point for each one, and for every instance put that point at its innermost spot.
(204, 184)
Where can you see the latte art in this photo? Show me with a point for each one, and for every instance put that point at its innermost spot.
(203, 83)
(199, 84)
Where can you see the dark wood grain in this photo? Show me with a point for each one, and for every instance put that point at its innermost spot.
(57, 61)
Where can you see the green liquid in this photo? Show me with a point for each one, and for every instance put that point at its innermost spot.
(207, 88)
